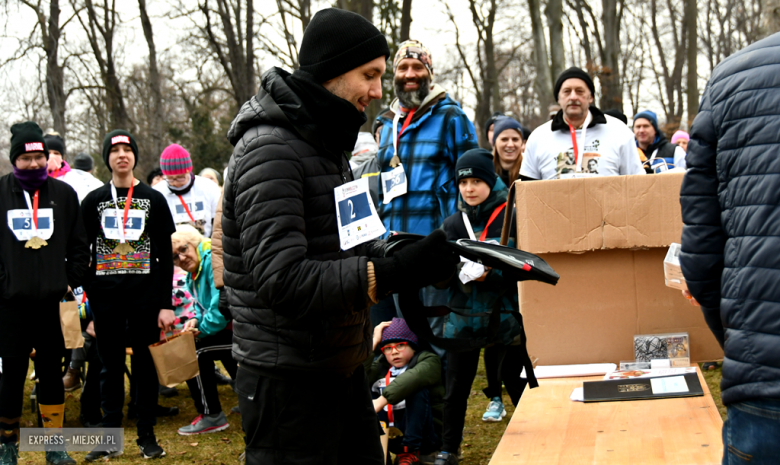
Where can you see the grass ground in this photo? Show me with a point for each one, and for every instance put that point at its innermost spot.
(479, 439)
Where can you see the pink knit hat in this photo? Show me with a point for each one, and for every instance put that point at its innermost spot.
(175, 160)
(680, 135)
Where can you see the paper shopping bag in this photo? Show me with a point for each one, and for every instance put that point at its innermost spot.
(70, 322)
(175, 359)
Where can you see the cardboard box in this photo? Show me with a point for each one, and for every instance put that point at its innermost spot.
(607, 238)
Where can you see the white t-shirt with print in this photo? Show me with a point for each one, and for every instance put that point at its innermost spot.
(610, 150)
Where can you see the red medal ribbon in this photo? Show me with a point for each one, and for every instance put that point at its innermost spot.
(35, 210)
(406, 122)
(390, 418)
(498, 209)
(574, 144)
(128, 200)
(186, 208)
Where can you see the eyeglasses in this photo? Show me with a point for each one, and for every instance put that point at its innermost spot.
(398, 347)
(182, 250)
(178, 179)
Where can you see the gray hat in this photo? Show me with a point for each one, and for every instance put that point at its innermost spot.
(83, 162)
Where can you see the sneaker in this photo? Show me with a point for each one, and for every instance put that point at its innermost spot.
(149, 447)
(407, 458)
(205, 424)
(235, 410)
(58, 458)
(9, 453)
(168, 392)
(495, 411)
(222, 379)
(445, 458)
(102, 454)
(72, 380)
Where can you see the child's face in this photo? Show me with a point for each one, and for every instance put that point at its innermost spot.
(398, 354)
(474, 191)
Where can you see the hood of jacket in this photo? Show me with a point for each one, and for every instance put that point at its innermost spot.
(327, 122)
(481, 213)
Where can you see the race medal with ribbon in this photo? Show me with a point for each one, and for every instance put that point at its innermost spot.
(124, 230)
(32, 225)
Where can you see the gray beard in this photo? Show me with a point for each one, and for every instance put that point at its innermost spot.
(414, 98)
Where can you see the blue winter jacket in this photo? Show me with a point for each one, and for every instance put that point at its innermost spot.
(731, 209)
(210, 319)
(428, 149)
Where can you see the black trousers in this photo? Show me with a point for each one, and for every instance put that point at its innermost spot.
(90, 393)
(45, 336)
(114, 321)
(203, 387)
(461, 370)
(311, 420)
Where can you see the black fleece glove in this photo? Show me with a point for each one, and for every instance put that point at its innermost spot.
(425, 262)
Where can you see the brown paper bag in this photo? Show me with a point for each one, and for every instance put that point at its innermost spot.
(175, 359)
(70, 322)
(384, 439)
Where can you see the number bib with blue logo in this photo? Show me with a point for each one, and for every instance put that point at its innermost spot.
(357, 218)
(197, 206)
(20, 222)
(112, 219)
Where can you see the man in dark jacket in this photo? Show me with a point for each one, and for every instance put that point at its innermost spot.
(661, 154)
(299, 302)
(731, 241)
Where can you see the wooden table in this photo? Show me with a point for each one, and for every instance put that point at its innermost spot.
(549, 428)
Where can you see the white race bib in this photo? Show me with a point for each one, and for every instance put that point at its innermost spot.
(20, 222)
(197, 206)
(393, 183)
(357, 218)
(112, 219)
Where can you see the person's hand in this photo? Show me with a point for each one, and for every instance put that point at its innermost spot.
(91, 329)
(690, 298)
(428, 261)
(191, 325)
(53, 164)
(378, 333)
(379, 403)
(166, 319)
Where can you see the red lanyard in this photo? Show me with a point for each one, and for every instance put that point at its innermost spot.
(574, 144)
(406, 122)
(390, 418)
(128, 200)
(35, 209)
(498, 209)
(186, 208)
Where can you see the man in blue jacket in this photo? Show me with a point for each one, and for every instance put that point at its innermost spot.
(731, 241)
(422, 137)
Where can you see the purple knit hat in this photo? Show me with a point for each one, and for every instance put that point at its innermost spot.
(398, 331)
(175, 160)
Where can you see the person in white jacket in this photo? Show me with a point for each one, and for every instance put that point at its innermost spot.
(192, 199)
(580, 140)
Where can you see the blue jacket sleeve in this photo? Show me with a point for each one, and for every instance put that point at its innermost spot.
(461, 136)
(210, 321)
(703, 237)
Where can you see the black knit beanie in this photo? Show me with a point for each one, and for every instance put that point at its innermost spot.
(491, 120)
(570, 73)
(337, 41)
(476, 163)
(83, 162)
(119, 136)
(27, 137)
(55, 142)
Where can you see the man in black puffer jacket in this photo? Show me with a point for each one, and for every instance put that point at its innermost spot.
(299, 302)
(731, 241)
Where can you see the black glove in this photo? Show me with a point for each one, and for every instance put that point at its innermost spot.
(417, 265)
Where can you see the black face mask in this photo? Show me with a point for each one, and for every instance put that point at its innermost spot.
(326, 121)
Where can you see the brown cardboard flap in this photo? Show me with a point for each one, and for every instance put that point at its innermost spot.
(610, 212)
(603, 299)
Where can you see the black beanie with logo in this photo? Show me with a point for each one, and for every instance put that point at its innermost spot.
(119, 136)
(27, 137)
(476, 163)
(337, 41)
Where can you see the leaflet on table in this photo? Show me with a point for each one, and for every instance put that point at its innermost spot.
(358, 220)
(628, 374)
(672, 346)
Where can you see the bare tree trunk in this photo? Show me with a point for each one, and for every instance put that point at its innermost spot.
(691, 12)
(55, 86)
(611, 84)
(554, 13)
(770, 21)
(364, 8)
(157, 126)
(406, 20)
(543, 81)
